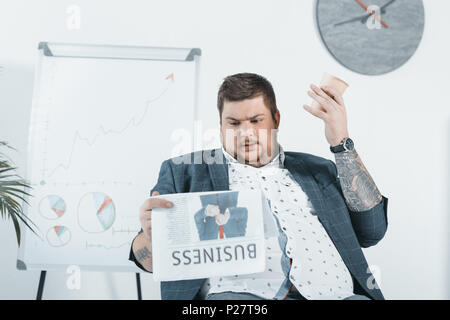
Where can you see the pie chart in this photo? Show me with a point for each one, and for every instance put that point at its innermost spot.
(52, 207)
(58, 236)
(96, 212)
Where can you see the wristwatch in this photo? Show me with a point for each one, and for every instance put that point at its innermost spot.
(345, 145)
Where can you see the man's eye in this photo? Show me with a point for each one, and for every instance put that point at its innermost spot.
(234, 123)
(255, 121)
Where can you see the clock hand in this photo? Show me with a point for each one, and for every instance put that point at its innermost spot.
(364, 18)
(382, 9)
(351, 20)
(372, 13)
(387, 4)
(367, 16)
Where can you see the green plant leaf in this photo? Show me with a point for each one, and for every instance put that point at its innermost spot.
(17, 228)
(13, 190)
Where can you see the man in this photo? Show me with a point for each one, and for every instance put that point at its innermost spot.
(325, 212)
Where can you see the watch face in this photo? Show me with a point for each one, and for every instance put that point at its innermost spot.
(348, 144)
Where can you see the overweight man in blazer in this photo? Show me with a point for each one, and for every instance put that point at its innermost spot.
(345, 204)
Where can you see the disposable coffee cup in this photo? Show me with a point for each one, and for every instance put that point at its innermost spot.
(331, 81)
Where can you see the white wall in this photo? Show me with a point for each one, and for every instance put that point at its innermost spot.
(400, 121)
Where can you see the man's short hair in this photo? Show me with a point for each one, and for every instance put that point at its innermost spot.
(243, 86)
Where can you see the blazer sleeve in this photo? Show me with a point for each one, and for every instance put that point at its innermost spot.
(131, 256)
(165, 185)
(370, 226)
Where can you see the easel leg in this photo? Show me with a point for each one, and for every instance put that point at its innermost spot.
(138, 285)
(41, 285)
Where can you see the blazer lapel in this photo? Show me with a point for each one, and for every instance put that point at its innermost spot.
(219, 171)
(309, 185)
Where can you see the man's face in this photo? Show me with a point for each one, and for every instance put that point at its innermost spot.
(248, 131)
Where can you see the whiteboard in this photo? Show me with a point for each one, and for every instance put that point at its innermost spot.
(103, 118)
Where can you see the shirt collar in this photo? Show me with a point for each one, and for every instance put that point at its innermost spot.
(277, 160)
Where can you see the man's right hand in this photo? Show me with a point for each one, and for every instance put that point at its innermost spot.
(142, 243)
(145, 213)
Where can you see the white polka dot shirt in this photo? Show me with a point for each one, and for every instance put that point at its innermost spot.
(302, 253)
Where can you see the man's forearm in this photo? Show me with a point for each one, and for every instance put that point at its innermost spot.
(360, 191)
(142, 249)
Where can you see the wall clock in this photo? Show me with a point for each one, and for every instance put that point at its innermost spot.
(371, 37)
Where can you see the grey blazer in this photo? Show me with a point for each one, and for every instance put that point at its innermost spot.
(350, 231)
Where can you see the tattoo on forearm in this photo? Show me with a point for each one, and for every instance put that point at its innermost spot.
(143, 254)
(360, 191)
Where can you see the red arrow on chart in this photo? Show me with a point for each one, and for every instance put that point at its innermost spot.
(170, 76)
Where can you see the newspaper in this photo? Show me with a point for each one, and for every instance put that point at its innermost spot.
(210, 234)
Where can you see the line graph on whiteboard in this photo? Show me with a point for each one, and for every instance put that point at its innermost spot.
(78, 136)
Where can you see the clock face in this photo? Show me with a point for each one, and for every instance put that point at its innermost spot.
(366, 43)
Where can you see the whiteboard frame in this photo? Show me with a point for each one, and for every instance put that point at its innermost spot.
(96, 51)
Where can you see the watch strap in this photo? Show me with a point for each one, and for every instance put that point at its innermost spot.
(341, 147)
(338, 148)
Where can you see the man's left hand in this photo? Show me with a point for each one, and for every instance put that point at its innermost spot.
(332, 112)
